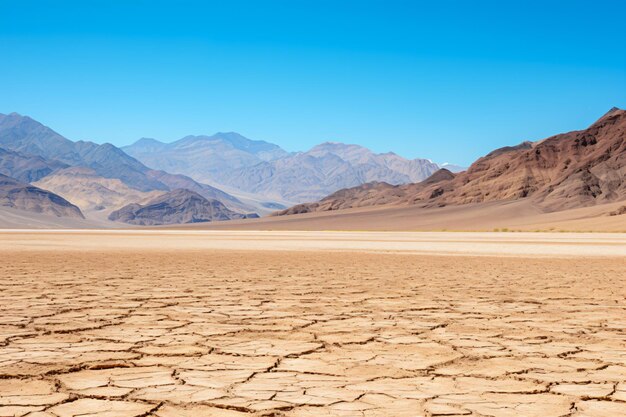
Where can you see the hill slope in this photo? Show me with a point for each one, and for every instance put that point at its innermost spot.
(575, 169)
(26, 168)
(204, 157)
(92, 192)
(325, 168)
(267, 171)
(175, 207)
(47, 151)
(18, 195)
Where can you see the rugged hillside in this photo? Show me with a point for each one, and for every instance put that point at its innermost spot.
(176, 181)
(269, 172)
(47, 151)
(328, 167)
(176, 207)
(25, 135)
(569, 170)
(92, 192)
(22, 196)
(204, 157)
(26, 168)
(375, 194)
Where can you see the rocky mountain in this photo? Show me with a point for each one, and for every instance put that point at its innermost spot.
(32, 151)
(91, 191)
(204, 157)
(176, 207)
(25, 135)
(328, 167)
(269, 172)
(375, 194)
(26, 168)
(575, 169)
(22, 196)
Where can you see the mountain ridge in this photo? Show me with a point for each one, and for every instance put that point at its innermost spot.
(175, 207)
(18, 195)
(27, 138)
(564, 171)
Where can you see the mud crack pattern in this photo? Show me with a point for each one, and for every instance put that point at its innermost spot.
(294, 334)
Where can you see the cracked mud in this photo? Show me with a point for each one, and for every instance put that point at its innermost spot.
(182, 332)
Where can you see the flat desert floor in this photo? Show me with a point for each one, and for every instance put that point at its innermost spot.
(194, 324)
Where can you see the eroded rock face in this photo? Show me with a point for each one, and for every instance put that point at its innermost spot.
(226, 333)
(575, 169)
(22, 196)
(176, 207)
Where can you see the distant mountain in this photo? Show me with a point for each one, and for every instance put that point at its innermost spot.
(266, 170)
(375, 194)
(22, 196)
(569, 170)
(32, 151)
(452, 167)
(308, 176)
(204, 157)
(25, 135)
(92, 192)
(26, 168)
(176, 207)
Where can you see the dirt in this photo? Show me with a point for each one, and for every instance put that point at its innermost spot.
(146, 325)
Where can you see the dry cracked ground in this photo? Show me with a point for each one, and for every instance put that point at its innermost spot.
(192, 333)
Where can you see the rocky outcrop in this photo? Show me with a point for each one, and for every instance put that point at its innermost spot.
(575, 169)
(26, 168)
(48, 151)
(375, 194)
(22, 196)
(176, 207)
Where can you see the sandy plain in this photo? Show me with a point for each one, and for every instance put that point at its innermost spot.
(216, 323)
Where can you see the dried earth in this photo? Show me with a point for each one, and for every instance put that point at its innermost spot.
(124, 324)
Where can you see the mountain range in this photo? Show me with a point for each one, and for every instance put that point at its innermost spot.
(267, 172)
(565, 171)
(259, 176)
(100, 178)
(227, 176)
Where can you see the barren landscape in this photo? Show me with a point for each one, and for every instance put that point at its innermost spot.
(211, 323)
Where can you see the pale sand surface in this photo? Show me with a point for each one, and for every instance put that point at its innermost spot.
(468, 243)
(126, 323)
(514, 215)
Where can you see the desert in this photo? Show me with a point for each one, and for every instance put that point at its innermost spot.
(278, 323)
(312, 208)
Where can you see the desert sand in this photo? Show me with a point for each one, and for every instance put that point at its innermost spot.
(178, 323)
(510, 215)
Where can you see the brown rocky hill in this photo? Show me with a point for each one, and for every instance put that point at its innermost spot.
(176, 207)
(22, 196)
(375, 194)
(575, 169)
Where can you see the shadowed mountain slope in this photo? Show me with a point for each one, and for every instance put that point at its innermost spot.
(204, 157)
(26, 168)
(33, 151)
(570, 170)
(328, 167)
(176, 207)
(18, 195)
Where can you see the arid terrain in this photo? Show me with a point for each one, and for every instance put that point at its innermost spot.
(234, 323)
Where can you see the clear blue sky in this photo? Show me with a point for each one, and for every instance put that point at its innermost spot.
(447, 80)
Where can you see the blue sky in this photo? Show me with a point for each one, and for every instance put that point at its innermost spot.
(448, 80)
